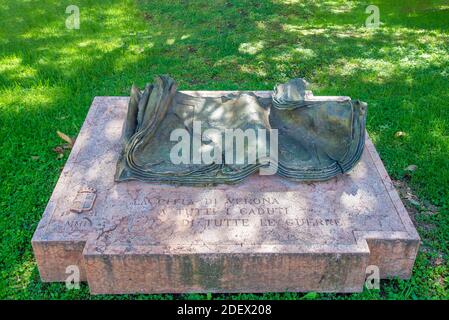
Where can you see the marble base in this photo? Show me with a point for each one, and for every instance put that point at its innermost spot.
(265, 234)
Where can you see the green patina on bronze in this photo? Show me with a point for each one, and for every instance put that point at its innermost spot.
(318, 138)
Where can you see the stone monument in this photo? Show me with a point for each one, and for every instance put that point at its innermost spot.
(132, 221)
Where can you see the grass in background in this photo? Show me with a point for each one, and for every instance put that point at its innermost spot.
(49, 76)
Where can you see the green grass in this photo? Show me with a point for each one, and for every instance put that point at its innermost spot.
(49, 76)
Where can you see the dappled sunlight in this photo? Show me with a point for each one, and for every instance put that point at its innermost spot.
(17, 100)
(261, 25)
(54, 30)
(113, 17)
(341, 7)
(391, 61)
(23, 274)
(296, 54)
(13, 69)
(380, 69)
(73, 51)
(333, 6)
(113, 130)
(258, 70)
(289, 1)
(305, 53)
(438, 132)
(359, 202)
(344, 31)
(228, 60)
(305, 32)
(251, 47)
(284, 57)
(170, 41)
(100, 45)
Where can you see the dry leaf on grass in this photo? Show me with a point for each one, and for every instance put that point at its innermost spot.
(66, 138)
(58, 150)
(400, 134)
(411, 168)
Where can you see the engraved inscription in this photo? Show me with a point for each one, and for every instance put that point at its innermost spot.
(213, 212)
(76, 225)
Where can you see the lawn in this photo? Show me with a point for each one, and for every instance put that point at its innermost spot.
(50, 74)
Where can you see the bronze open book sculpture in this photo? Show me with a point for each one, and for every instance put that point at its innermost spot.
(173, 137)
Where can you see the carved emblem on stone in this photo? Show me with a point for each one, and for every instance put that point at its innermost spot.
(84, 200)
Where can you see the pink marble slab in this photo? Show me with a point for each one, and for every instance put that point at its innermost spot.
(265, 234)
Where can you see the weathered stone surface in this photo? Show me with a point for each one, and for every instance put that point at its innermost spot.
(265, 234)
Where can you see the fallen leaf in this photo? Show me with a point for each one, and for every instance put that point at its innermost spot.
(411, 167)
(58, 149)
(147, 16)
(66, 138)
(439, 261)
(191, 49)
(400, 134)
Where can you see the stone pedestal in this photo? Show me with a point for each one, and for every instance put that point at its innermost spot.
(265, 234)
